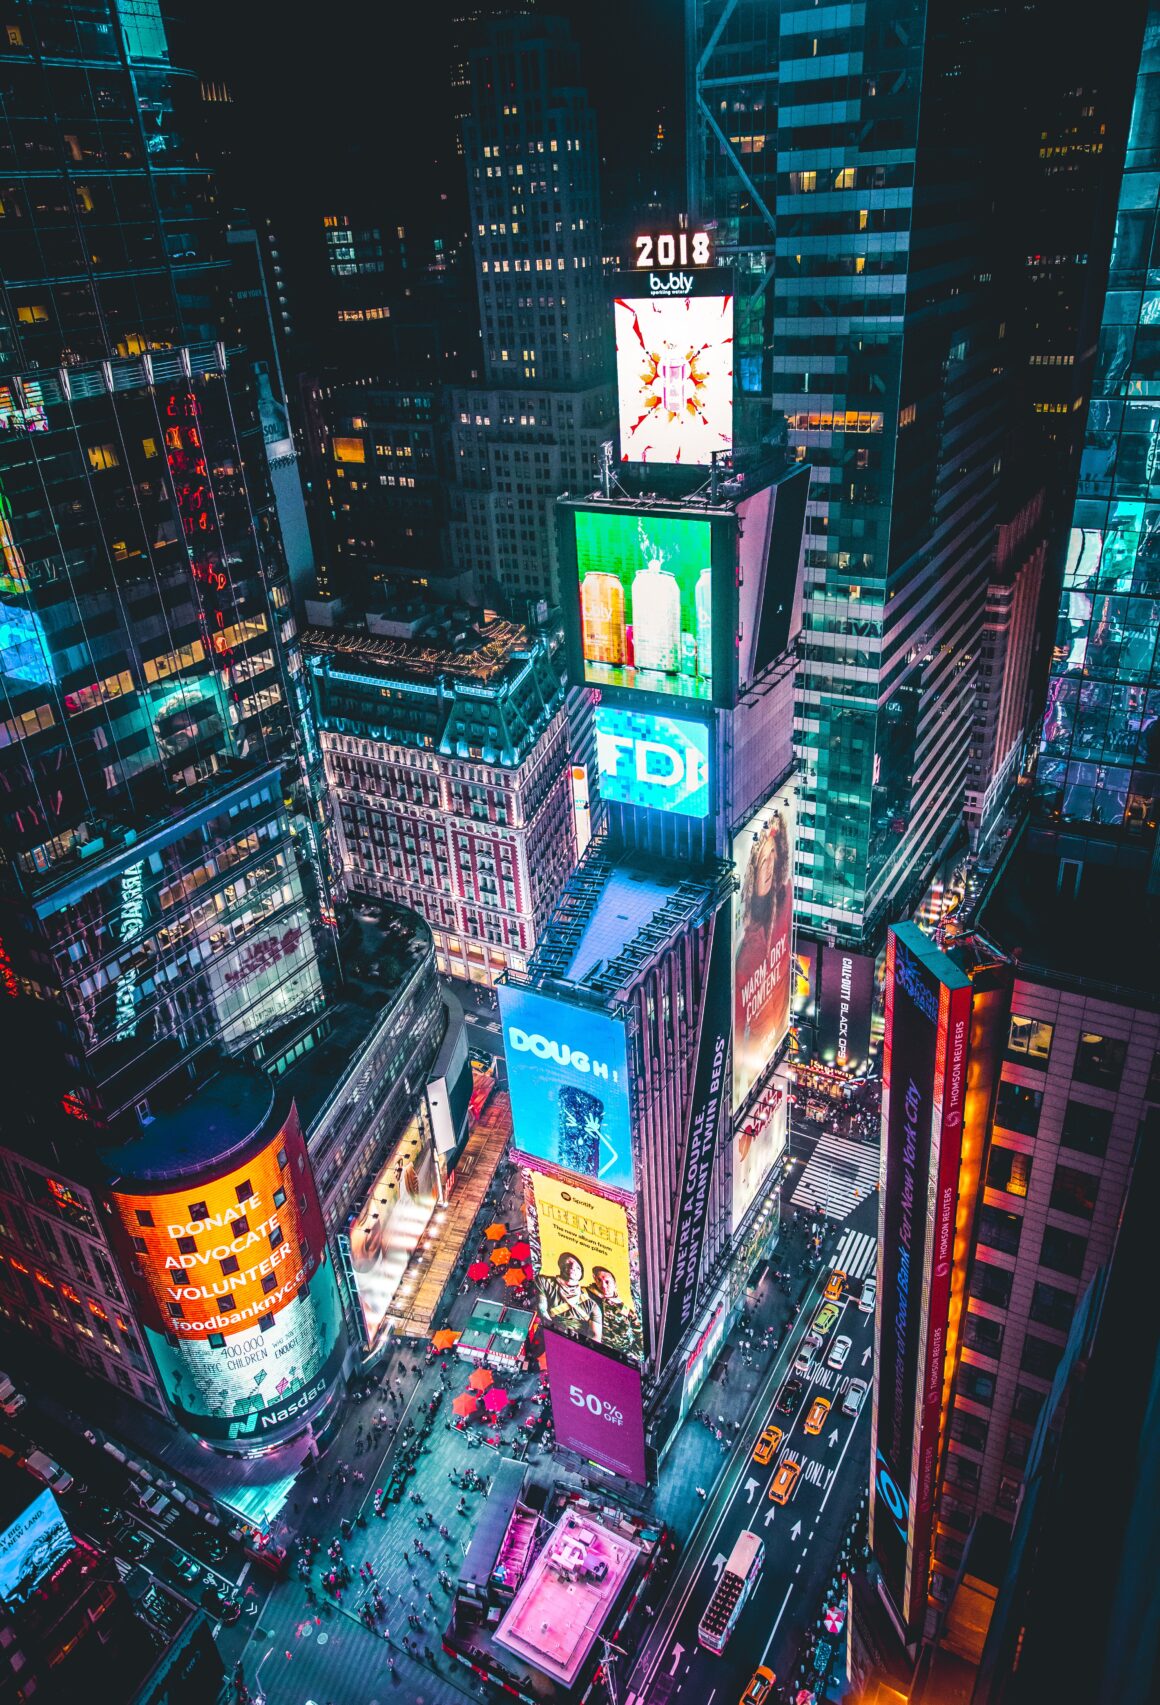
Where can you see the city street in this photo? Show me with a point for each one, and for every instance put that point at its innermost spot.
(801, 1540)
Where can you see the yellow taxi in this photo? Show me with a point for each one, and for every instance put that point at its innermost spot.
(835, 1285)
(816, 1419)
(766, 1447)
(760, 1686)
(784, 1483)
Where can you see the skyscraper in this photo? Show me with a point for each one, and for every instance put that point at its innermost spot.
(533, 428)
(160, 899)
(875, 254)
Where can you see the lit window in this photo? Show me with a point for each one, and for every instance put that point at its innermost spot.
(103, 456)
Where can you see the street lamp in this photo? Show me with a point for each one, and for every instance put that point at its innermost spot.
(259, 1696)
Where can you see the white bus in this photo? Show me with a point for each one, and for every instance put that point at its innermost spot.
(738, 1579)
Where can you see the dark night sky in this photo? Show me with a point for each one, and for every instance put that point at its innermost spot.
(359, 97)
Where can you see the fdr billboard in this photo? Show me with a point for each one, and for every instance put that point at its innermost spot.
(660, 763)
(762, 916)
(597, 1408)
(928, 1011)
(569, 1085)
(236, 1292)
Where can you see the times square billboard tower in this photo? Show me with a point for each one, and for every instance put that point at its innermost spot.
(645, 1043)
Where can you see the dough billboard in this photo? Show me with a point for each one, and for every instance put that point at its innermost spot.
(587, 1269)
(236, 1291)
(762, 919)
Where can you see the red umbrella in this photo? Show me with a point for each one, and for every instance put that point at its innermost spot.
(481, 1379)
(529, 1271)
(495, 1400)
(521, 1250)
(466, 1403)
(478, 1270)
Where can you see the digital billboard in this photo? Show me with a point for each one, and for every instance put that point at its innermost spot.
(597, 1408)
(758, 1140)
(674, 370)
(710, 1101)
(658, 762)
(928, 1006)
(31, 1546)
(845, 1003)
(569, 1085)
(236, 1291)
(646, 601)
(762, 918)
(587, 1267)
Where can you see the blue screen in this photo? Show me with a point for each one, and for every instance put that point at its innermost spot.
(568, 1081)
(659, 762)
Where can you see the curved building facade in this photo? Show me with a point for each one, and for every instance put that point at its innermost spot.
(220, 1228)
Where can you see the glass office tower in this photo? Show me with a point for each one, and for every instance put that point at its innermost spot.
(1099, 763)
(885, 315)
(158, 880)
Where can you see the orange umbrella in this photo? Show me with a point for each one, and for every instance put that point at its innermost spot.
(466, 1403)
(444, 1338)
(495, 1400)
(500, 1257)
(514, 1276)
(495, 1232)
(481, 1379)
(543, 1362)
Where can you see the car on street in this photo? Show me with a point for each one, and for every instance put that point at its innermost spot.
(766, 1447)
(826, 1317)
(816, 1419)
(855, 1396)
(869, 1296)
(225, 1609)
(137, 1545)
(790, 1397)
(839, 1350)
(784, 1483)
(803, 1363)
(835, 1285)
(760, 1686)
(187, 1568)
(50, 1473)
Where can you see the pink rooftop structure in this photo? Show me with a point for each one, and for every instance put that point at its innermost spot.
(570, 1589)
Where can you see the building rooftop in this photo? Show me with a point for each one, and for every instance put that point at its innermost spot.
(219, 1121)
(446, 647)
(1075, 909)
(566, 1596)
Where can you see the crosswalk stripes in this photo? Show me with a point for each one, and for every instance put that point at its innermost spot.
(856, 1254)
(838, 1175)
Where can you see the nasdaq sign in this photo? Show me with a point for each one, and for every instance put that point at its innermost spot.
(658, 762)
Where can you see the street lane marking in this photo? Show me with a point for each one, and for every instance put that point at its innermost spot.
(777, 1623)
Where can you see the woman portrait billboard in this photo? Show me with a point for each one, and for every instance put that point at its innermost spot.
(762, 919)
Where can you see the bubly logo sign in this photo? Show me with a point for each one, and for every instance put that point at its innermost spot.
(547, 1048)
(660, 763)
(671, 283)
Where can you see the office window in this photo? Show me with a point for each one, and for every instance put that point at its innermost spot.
(1099, 1060)
(1051, 1306)
(970, 1430)
(1086, 1129)
(1000, 1230)
(1029, 1040)
(1074, 1192)
(981, 1333)
(1008, 1170)
(976, 1384)
(1025, 1409)
(1017, 1108)
(1063, 1251)
(103, 456)
(1039, 1357)
(991, 1284)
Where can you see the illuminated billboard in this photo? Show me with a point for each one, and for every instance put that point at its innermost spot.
(568, 1080)
(385, 1234)
(587, 1269)
(660, 763)
(597, 1408)
(928, 1012)
(708, 1107)
(646, 601)
(845, 1002)
(236, 1291)
(758, 1141)
(762, 917)
(31, 1546)
(674, 370)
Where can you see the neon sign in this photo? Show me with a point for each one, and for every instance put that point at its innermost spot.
(132, 924)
